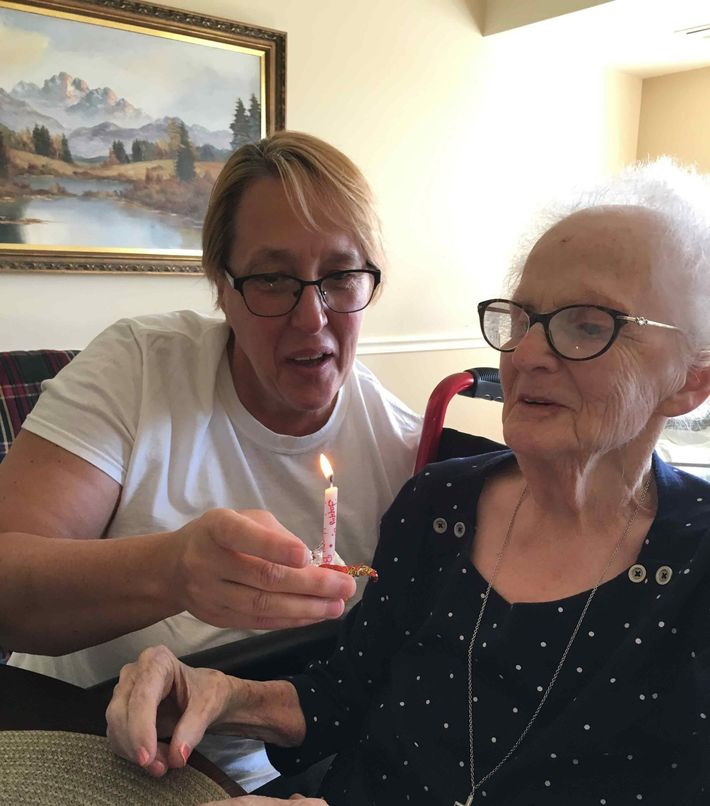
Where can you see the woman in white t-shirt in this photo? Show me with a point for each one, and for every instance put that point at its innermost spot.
(195, 439)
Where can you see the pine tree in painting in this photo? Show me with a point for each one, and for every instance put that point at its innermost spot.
(185, 160)
(254, 119)
(240, 126)
(65, 152)
(4, 159)
(118, 150)
(137, 153)
(42, 141)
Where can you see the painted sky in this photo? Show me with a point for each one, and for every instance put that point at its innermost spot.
(198, 83)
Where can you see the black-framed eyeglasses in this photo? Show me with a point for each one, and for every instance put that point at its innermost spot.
(574, 332)
(276, 294)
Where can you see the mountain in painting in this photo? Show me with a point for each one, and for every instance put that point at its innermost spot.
(200, 136)
(95, 141)
(74, 103)
(18, 115)
(92, 118)
(61, 90)
(103, 103)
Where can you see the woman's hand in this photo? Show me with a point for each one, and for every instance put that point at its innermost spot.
(245, 570)
(160, 696)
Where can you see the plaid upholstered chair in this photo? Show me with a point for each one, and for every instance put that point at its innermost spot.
(21, 376)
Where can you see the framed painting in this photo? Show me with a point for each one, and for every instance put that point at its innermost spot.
(115, 118)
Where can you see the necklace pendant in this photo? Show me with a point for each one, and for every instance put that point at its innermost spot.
(469, 801)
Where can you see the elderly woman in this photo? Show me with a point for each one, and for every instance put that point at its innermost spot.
(539, 633)
(167, 424)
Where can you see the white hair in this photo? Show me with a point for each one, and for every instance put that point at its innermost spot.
(681, 197)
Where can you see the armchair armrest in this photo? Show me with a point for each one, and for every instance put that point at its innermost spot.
(259, 657)
(272, 654)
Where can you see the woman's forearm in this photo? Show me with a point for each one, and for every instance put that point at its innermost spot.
(59, 595)
(268, 711)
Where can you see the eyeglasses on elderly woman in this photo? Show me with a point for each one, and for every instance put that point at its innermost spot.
(276, 294)
(574, 332)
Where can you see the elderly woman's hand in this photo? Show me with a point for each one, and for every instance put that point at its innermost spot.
(160, 696)
(245, 570)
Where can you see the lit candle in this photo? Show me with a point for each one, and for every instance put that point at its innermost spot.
(330, 512)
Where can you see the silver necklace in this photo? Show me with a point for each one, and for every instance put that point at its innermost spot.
(474, 784)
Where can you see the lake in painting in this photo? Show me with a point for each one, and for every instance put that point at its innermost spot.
(103, 222)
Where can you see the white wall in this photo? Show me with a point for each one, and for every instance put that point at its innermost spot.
(459, 135)
(412, 376)
(674, 117)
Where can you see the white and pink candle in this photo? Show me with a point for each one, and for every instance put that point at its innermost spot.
(330, 512)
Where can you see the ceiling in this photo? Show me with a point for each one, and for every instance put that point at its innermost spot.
(642, 37)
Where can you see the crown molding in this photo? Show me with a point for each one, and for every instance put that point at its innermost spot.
(383, 345)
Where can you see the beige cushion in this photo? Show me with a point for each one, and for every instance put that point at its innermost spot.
(54, 768)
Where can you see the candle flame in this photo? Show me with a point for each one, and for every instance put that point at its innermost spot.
(326, 467)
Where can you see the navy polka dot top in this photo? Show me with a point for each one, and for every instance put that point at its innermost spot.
(626, 722)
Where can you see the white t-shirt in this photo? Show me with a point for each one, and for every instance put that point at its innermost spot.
(151, 402)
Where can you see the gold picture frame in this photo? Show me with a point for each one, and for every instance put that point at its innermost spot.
(92, 180)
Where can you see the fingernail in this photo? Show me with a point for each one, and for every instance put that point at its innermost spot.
(185, 751)
(334, 609)
(143, 756)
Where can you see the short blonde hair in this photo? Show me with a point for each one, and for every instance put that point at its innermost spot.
(320, 182)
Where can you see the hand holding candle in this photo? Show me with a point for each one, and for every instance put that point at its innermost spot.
(330, 512)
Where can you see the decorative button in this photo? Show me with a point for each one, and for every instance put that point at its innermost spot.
(459, 529)
(664, 574)
(440, 525)
(637, 573)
